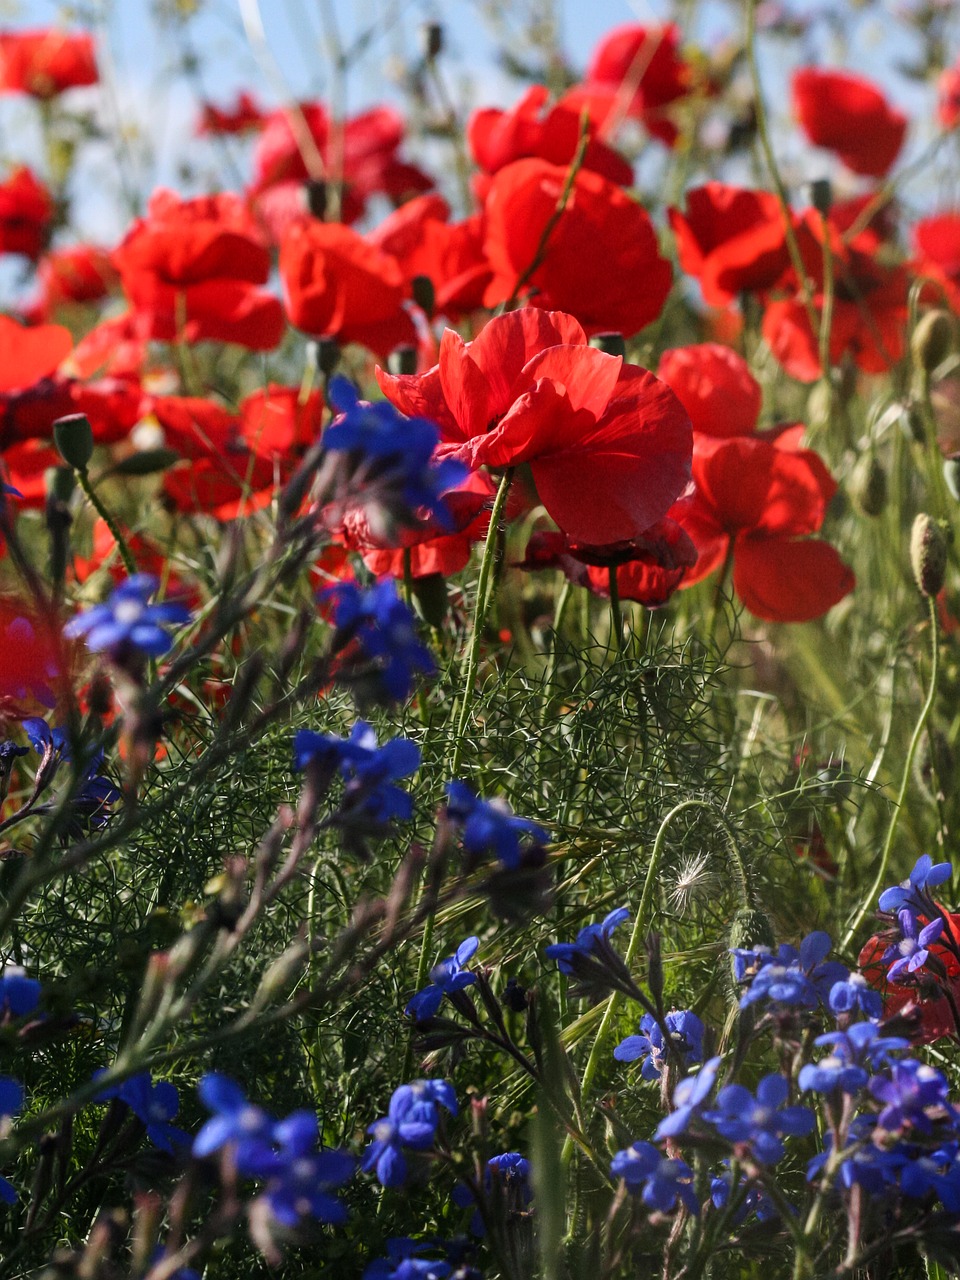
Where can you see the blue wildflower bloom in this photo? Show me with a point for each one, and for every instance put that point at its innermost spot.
(911, 953)
(760, 1122)
(875, 1168)
(936, 1172)
(660, 1181)
(46, 741)
(445, 978)
(686, 1043)
(507, 1179)
(154, 1103)
(855, 995)
(9, 751)
(235, 1123)
(90, 806)
(301, 1176)
(796, 977)
(688, 1099)
(126, 623)
(855, 1050)
(19, 995)
(410, 1123)
(402, 1262)
(914, 1097)
(11, 1101)
(489, 826)
(592, 960)
(590, 941)
(755, 1201)
(914, 892)
(389, 653)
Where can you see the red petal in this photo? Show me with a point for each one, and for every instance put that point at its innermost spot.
(784, 581)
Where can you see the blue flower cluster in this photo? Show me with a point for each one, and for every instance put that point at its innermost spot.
(154, 1103)
(685, 1045)
(801, 977)
(410, 1124)
(90, 807)
(380, 653)
(489, 827)
(127, 623)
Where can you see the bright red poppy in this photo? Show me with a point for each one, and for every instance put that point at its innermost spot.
(226, 487)
(46, 62)
(338, 284)
(601, 261)
(948, 96)
(26, 214)
(848, 115)
(933, 1009)
(80, 273)
(277, 421)
(607, 443)
(732, 239)
(758, 498)
(640, 73)
(191, 270)
(937, 244)
(194, 425)
(244, 116)
(715, 386)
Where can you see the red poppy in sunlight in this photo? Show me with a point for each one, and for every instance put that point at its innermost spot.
(226, 487)
(80, 273)
(448, 254)
(113, 406)
(715, 386)
(848, 115)
(935, 1016)
(532, 129)
(337, 283)
(191, 270)
(600, 262)
(732, 240)
(276, 421)
(27, 355)
(113, 346)
(26, 214)
(641, 74)
(608, 444)
(193, 425)
(243, 117)
(937, 244)
(44, 63)
(756, 499)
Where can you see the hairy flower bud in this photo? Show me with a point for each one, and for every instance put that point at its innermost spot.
(928, 554)
(932, 340)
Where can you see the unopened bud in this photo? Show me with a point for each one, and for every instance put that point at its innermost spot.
(73, 436)
(928, 554)
(432, 35)
(283, 972)
(932, 340)
(610, 343)
(821, 195)
(325, 353)
(424, 294)
(315, 198)
(869, 486)
(402, 360)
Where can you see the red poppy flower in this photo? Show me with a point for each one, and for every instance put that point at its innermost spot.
(337, 283)
(937, 244)
(193, 425)
(608, 444)
(935, 1016)
(758, 498)
(715, 386)
(640, 71)
(601, 263)
(44, 63)
(243, 117)
(112, 405)
(850, 116)
(113, 346)
(275, 421)
(80, 273)
(25, 465)
(226, 487)
(531, 129)
(34, 655)
(190, 270)
(27, 355)
(449, 254)
(732, 240)
(431, 550)
(26, 214)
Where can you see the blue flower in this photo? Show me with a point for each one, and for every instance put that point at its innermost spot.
(914, 1097)
(755, 1200)
(154, 1104)
(686, 1043)
(11, 1101)
(126, 623)
(9, 751)
(855, 995)
(301, 1176)
(590, 941)
(19, 995)
(593, 961)
(402, 1262)
(410, 1123)
(911, 953)
(489, 826)
(855, 1050)
(660, 1181)
(760, 1122)
(688, 1099)
(386, 653)
(914, 892)
(445, 978)
(793, 977)
(236, 1123)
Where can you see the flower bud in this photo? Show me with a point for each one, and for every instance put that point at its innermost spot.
(432, 36)
(932, 340)
(325, 353)
(821, 195)
(424, 294)
(869, 488)
(928, 554)
(402, 360)
(73, 436)
(610, 343)
(315, 197)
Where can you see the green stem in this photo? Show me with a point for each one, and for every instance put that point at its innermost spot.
(616, 616)
(904, 781)
(125, 554)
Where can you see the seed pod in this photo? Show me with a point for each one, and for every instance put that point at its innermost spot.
(402, 360)
(73, 436)
(932, 340)
(869, 487)
(928, 554)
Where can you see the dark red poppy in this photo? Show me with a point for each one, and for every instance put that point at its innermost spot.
(226, 487)
(848, 115)
(758, 499)
(244, 116)
(715, 386)
(608, 444)
(193, 425)
(278, 421)
(935, 1018)
(46, 62)
(601, 262)
(532, 129)
(339, 284)
(25, 465)
(641, 73)
(448, 254)
(26, 214)
(191, 270)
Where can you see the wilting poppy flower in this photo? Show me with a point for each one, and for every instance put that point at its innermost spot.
(26, 213)
(848, 115)
(531, 128)
(337, 283)
(274, 421)
(243, 117)
(44, 63)
(732, 240)
(934, 1015)
(641, 73)
(715, 386)
(601, 262)
(191, 270)
(756, 499)
(448, 254)
(608, 444)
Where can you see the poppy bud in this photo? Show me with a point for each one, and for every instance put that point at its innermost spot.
(325, 352)
(424, 294)
(612, 344)
(820, 406)
(932, 340)
(751, 928)
(402, 360)
(315, 196)
(928, 554)
(911, 423)
(821, 195)
(951, 473)
(432, 35)
(73, 436)
(870, 485)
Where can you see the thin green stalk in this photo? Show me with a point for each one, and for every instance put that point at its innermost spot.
(125, 554)
(925, 711)
(616, 616)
